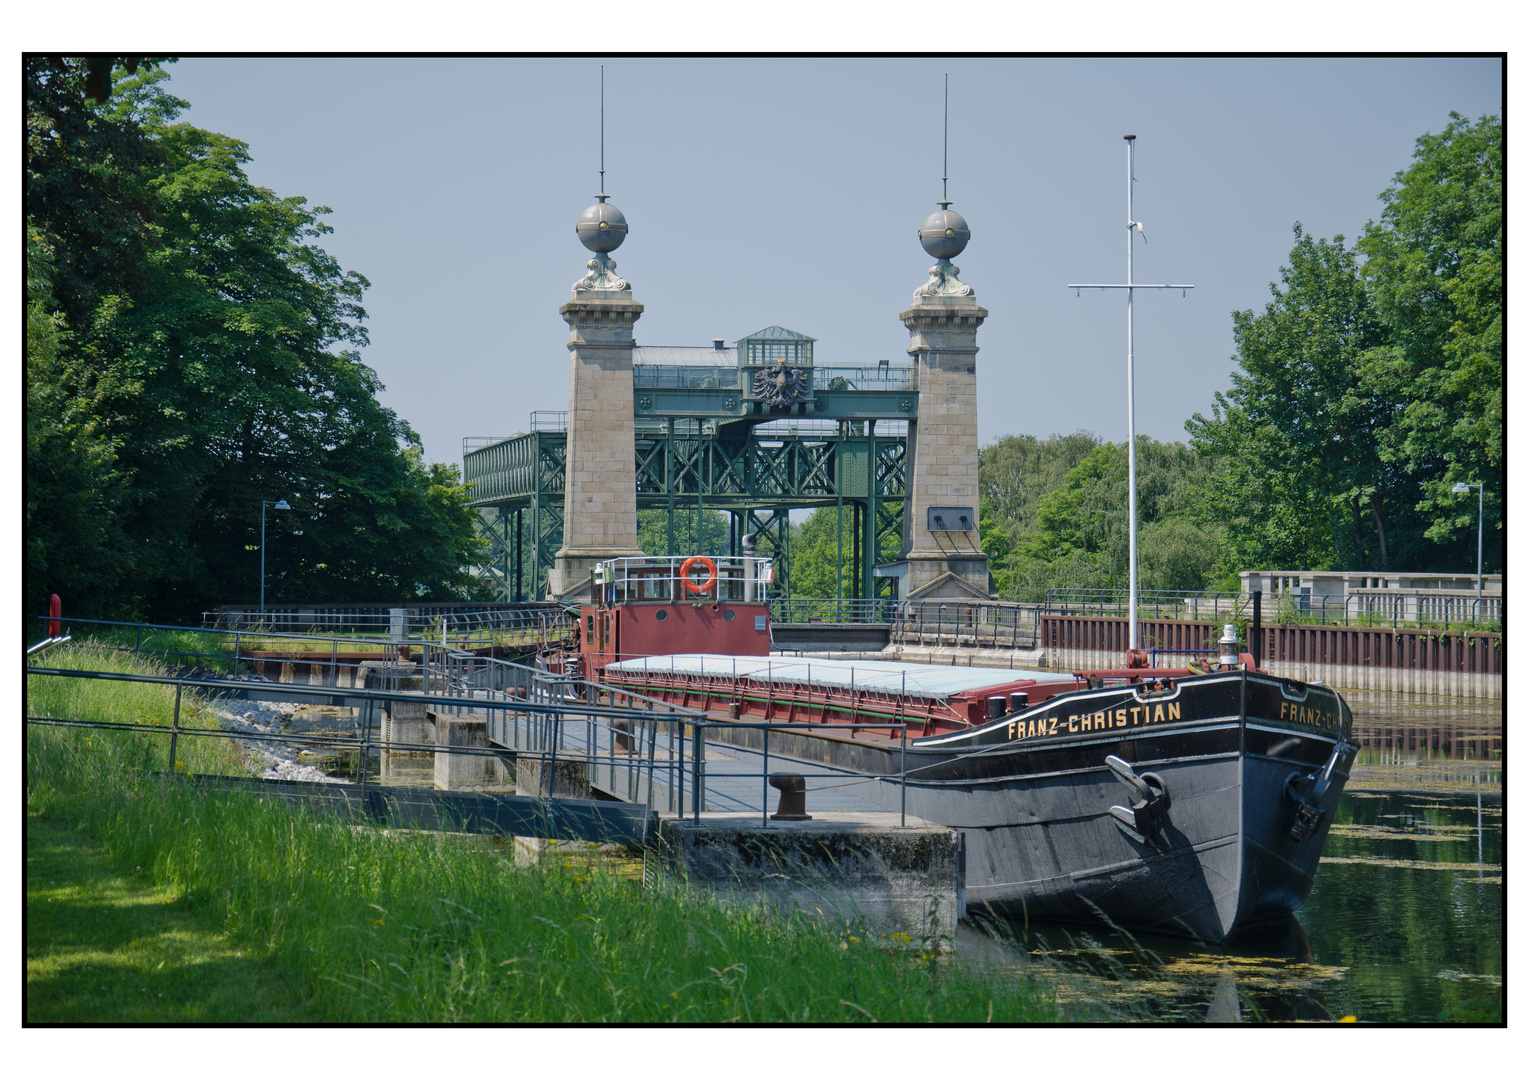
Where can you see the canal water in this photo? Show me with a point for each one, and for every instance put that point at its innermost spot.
(1405, 921)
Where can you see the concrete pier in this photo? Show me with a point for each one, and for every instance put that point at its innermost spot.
(468, 772)
(846, 870)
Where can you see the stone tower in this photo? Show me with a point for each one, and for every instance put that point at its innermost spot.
(600, 495)
(941, 546)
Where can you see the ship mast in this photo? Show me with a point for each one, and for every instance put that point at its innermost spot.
(1132, 228)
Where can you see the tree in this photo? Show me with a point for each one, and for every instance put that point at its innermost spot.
(73, 542)
(1435, 274)
(223, 370)
(817, 568)
(653, 532)
(1081, 535)
(1016, 472)
(379, 525)
(1311, 405)
(85, 187)
(1366, 394)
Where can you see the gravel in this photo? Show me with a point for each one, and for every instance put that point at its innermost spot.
(278, 761)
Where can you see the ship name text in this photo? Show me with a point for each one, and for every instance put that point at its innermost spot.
(1132, 716)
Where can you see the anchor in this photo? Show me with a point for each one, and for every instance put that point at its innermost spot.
(1150, 810)
(1308, 811)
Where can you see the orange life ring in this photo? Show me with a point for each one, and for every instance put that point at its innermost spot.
(711, 574)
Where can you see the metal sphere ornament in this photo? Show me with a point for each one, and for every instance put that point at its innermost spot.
(944, 234)
(601, 227)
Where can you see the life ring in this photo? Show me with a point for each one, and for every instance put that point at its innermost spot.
(711, 574)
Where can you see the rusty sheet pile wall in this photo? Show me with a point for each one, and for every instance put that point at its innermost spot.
(1466, 663)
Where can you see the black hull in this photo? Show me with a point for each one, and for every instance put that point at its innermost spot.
(1238, 757)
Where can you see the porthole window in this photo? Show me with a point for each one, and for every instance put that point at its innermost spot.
(729, 615)
(661, 614)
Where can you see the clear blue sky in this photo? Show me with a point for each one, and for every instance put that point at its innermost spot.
(789, 191)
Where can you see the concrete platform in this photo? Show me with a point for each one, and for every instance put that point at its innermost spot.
(855, 871)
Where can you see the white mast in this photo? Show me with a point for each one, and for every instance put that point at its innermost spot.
(1132, 228)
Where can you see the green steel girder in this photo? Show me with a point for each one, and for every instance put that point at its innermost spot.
(492, 525)
(772, 540)
(760, 477)
(730, 403)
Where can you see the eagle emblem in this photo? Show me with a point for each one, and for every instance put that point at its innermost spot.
(780, 385)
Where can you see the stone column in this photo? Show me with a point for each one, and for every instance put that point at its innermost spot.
(600, 492)
(942, 448)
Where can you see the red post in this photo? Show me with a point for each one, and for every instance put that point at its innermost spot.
(55, 609)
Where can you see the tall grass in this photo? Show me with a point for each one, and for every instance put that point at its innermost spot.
(376, 926)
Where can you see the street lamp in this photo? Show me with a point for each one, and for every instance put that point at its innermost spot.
(279, 504)
(1462, 488)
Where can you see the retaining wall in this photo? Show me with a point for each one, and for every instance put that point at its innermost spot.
(1460, 663)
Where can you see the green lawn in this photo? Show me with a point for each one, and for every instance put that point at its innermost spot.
(106, 945)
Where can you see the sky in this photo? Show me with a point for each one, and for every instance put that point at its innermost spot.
(764, 191)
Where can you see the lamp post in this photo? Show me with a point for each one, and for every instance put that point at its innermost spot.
(1462, 488)
(279, 504)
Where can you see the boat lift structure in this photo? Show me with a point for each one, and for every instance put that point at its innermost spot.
(714, 432)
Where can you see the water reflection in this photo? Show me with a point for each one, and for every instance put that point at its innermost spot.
(337, 749)
(1425, 741)
(1268, 973)
(1404, 923)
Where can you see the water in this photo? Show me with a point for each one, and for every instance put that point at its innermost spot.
(1404, 924)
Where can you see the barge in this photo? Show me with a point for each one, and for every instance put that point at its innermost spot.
(1192, 801)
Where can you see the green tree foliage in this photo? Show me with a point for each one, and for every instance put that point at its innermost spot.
(815, 570)
(816, 567)
(86, 191)
(72, 488)
(1435, 271)
(1014, 475)
(1307, 408)
(653, 532)
(1365, 394)
(1080, 537)
(221, 369)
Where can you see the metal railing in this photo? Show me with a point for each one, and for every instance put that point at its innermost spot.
(1378, 609)
(331, 659)
(1208, 604)
(543, 722)
(995, 624)
(903, 377)
(685, 377)
(832, 610)
(633, 750)
(549, 620)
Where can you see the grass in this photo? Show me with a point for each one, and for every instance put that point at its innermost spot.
(107, 947)
(357, 925)
(215, 650)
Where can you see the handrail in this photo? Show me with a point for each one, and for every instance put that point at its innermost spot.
(569, 700)
(46, 644)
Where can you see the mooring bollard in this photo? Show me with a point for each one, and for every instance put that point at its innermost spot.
(793, 797)
(622, 727)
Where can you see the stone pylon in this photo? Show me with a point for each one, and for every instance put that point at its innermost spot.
(941, 543)
(600, 495)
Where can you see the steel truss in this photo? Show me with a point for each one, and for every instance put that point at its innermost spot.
(688, 469)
